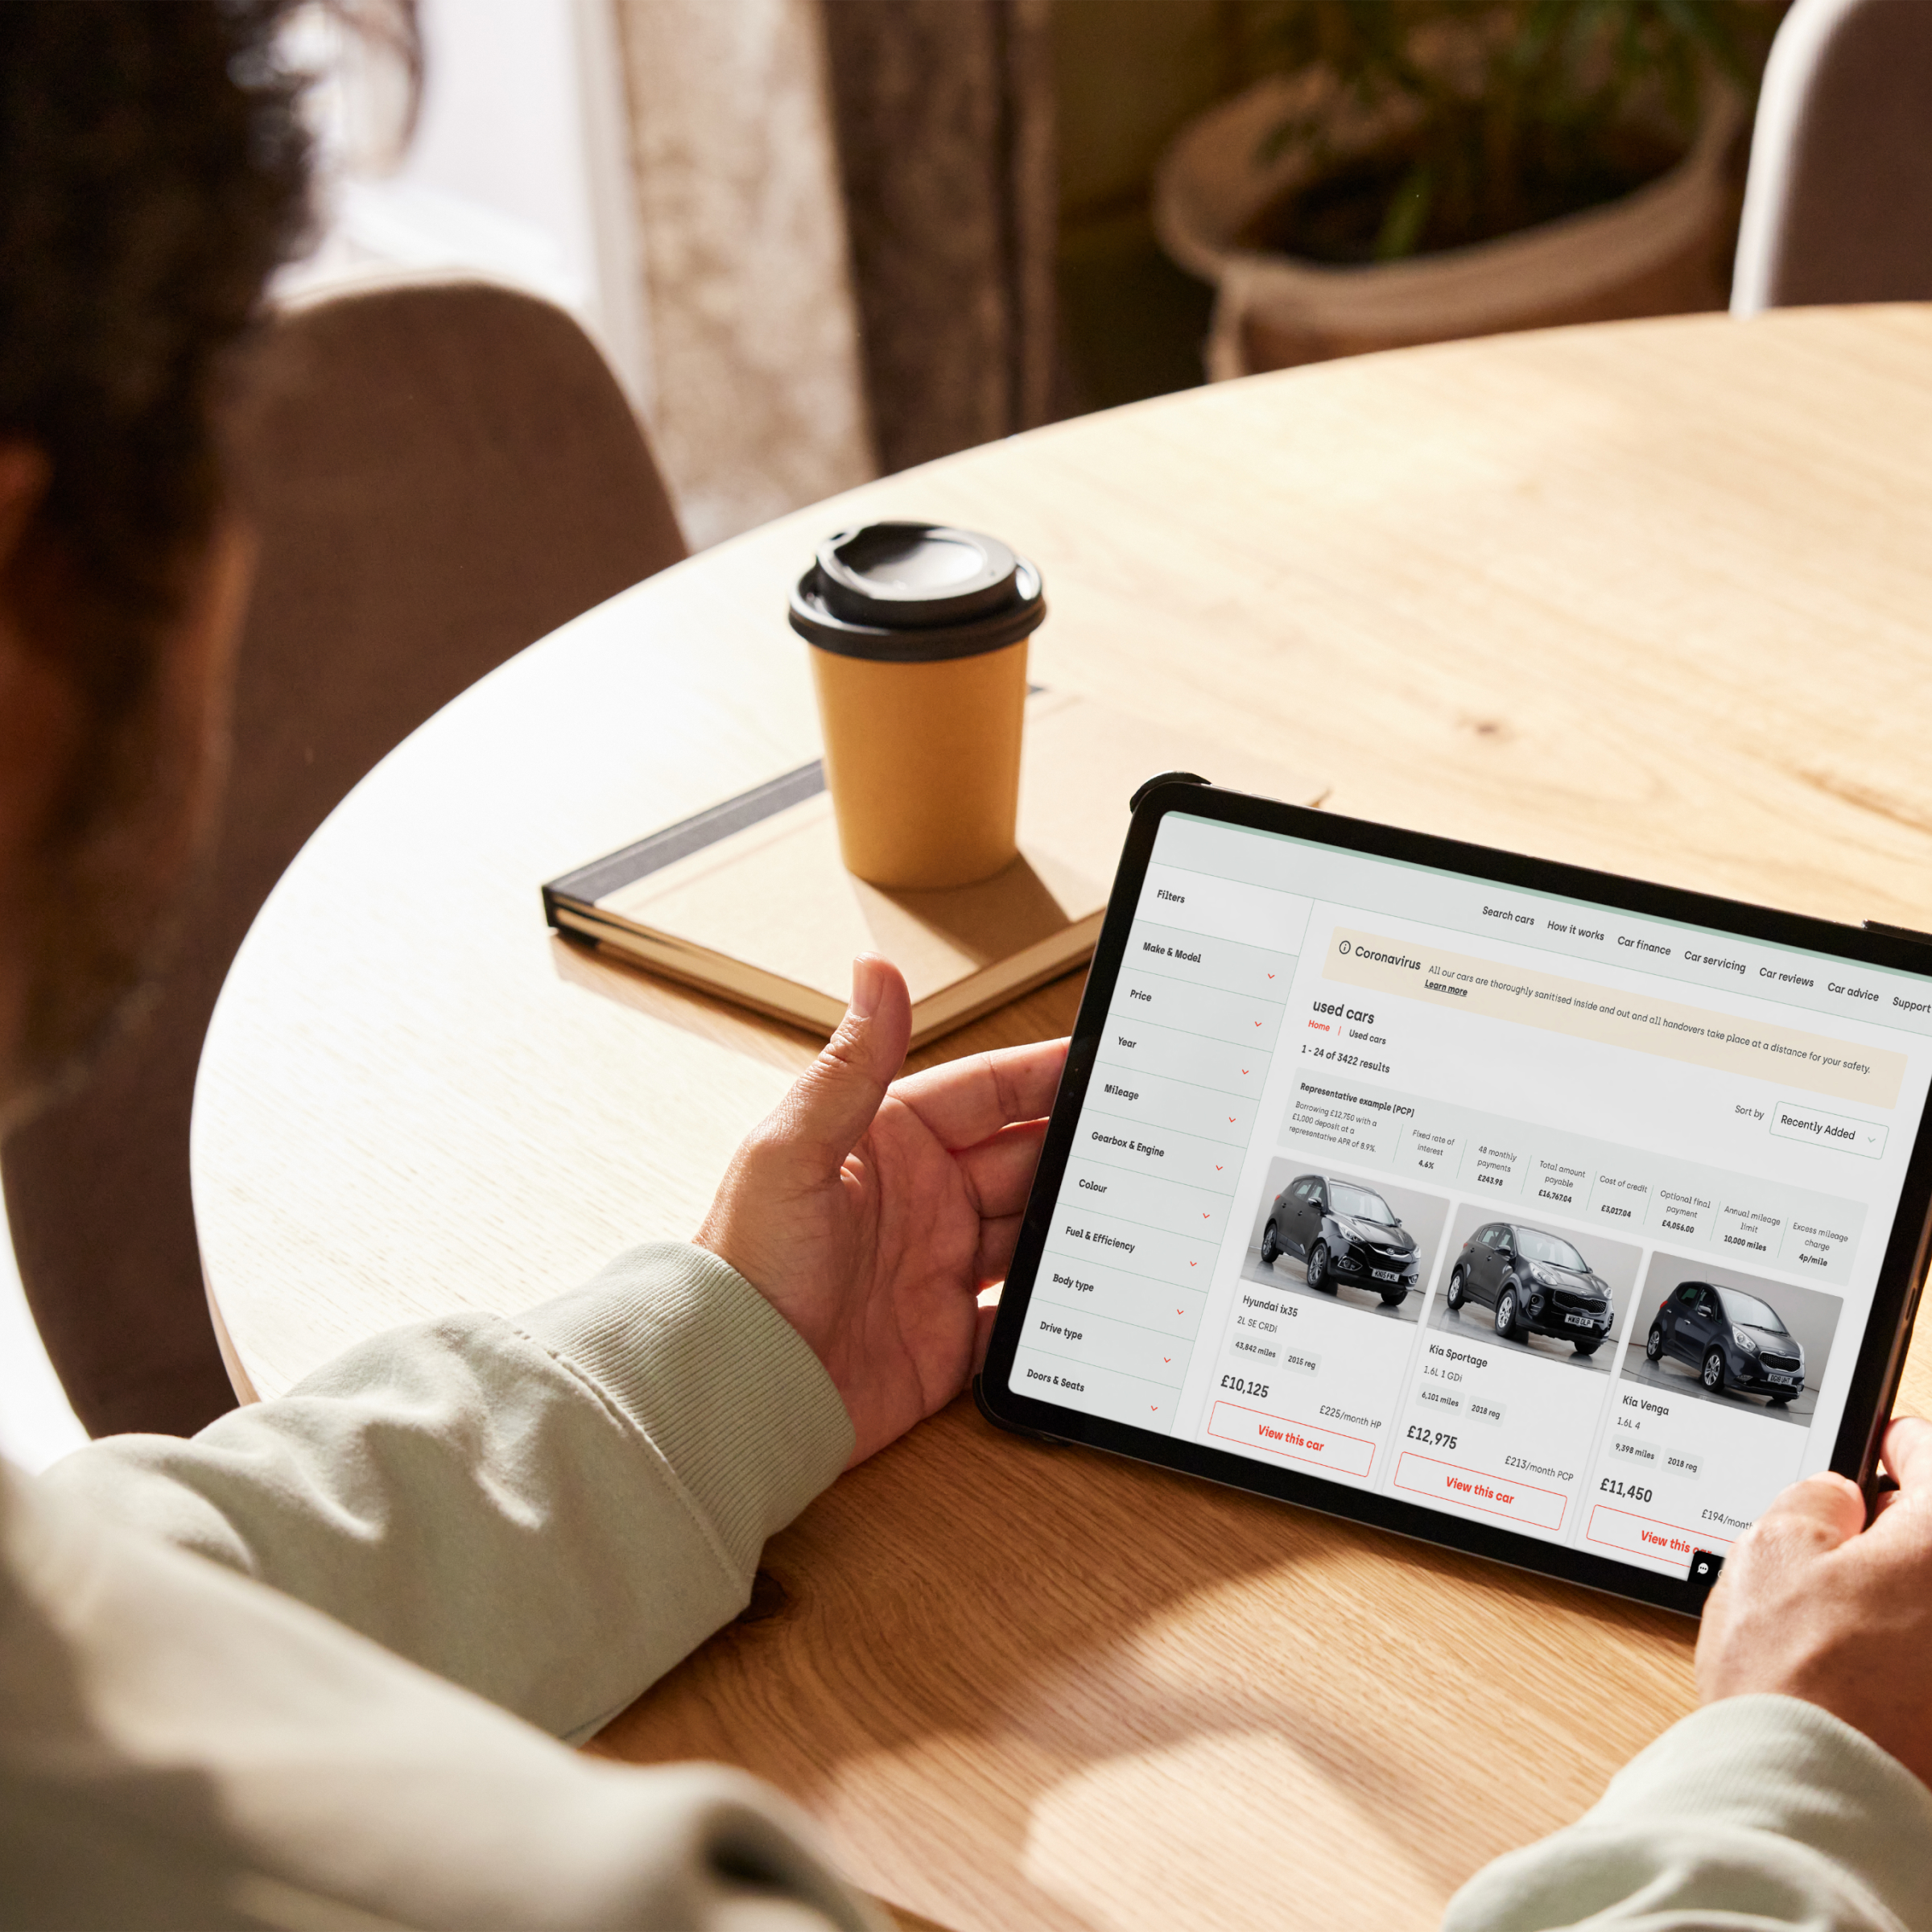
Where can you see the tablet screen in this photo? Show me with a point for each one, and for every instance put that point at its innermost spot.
(1553, 1217)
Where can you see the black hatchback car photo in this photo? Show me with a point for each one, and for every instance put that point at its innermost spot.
(1733, 1339)
(1537, 1283)
(1342, 1232)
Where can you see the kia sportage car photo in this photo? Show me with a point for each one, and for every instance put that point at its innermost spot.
(1733, 1339)
(1342, 1232)
(1537, 1283)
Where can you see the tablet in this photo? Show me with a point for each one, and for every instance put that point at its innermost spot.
(1557, 1217)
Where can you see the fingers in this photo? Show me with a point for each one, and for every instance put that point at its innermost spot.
(999, 1171)
(832, 1104)
(1826, 1509)
(1908, 1452)
(964, 1101)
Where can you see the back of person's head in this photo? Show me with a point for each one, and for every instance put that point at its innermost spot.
(154, 172)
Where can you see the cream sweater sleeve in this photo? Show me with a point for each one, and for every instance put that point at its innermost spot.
(551, 1510)
(1754, 1815)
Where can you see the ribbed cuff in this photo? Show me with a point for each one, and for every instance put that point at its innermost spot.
(718, 1379)
(1778, 1765)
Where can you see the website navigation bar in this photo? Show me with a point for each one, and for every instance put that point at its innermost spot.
(1657, 948)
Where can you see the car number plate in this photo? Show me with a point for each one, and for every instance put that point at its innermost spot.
(1581, 1321)
(1385, 1274)
(1780, 1375)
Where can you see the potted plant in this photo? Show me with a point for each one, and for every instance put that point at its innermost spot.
(1415, 170)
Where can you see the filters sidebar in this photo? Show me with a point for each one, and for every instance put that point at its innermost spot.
(1150, 1190)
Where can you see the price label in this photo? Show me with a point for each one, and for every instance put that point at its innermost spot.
(1634, 1493)
(1436, 1438)
(1241, 1386)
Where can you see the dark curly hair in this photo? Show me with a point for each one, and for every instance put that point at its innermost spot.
(153, 169)
(154, 172)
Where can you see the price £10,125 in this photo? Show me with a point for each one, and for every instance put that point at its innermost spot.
(1240, 1385)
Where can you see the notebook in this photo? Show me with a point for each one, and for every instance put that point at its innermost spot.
(748, 899)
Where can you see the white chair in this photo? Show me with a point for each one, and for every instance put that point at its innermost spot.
(1837, 205)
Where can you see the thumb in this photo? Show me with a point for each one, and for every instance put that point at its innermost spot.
(832, 1102)
(1908, 1452)
(1818, 1514)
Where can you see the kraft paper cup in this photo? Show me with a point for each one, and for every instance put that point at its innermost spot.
(918, 635)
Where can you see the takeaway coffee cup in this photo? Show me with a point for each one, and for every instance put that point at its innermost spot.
(918, 635)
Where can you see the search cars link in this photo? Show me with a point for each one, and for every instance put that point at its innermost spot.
(1733, 1339)
(1342, 1232)
(1537, 1283)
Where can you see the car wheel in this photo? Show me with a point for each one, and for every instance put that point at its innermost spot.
(1395, 1297)
(1713, 1377)
(1587, 1349)
(1455, 1293)
(1317, 1268)
(1505, 1314)
(1271, 1250)
(1653, 1343)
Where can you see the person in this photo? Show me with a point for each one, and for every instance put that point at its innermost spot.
(311, 1669)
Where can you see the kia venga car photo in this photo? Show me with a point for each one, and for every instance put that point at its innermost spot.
(1733, 1339)
(1342, 1232)
(1537, 1283)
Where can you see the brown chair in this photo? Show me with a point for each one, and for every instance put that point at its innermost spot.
(440, 473)
(1837, 205)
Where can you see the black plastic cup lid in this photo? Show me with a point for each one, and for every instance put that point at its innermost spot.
(912, 594)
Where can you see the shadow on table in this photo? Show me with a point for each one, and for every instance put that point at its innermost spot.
(971, 1626)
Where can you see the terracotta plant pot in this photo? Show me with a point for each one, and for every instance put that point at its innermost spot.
(1655, 251)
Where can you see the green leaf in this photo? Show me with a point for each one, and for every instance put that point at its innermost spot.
(1407, 215)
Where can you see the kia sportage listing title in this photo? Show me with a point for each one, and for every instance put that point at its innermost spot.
(1537, 1283)
(1733, 1339)
(1342, 1232)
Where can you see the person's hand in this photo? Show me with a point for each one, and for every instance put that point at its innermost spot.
(1815, 1604)
(870, 1215)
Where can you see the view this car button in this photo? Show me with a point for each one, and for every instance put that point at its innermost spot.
(1649, 1536)
(1449, 1482)
(1283, 1435)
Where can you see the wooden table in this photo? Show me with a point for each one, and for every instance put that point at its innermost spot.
(1656, 596)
